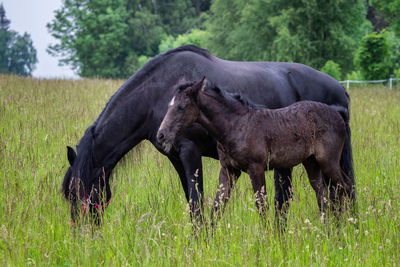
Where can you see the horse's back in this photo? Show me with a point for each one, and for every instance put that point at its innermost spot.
(277, 84)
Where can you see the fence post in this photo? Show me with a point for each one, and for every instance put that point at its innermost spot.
(390, 83)
(347, 84)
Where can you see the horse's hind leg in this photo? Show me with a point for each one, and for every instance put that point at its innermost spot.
(257, 176)
(283, 194)
(315, 177)
(227, 180)
(334, 177)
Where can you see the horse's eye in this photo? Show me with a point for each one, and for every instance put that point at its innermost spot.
(180, 107)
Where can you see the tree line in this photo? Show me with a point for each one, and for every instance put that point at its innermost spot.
(114, 38)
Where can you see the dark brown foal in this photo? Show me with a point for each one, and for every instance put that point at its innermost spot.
(255, 139)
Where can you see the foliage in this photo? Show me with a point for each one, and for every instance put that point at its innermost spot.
(222, 24)
(309, 32)
(147, 222)
(333, 69)
(105, 38)
(195, 37)
(93, 36)
(394, 43)
(373, 56)
(391, 8)
(397, 73)
(354, 76)
(17, 54)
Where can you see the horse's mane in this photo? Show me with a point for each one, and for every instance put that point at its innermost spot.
(152, 64)
(83, 162)
(157, 60)
(190, 48)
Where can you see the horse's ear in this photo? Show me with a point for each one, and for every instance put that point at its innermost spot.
(204, 84)
(71, 155)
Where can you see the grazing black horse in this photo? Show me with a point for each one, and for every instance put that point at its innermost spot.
(135, 111)
(254, 139)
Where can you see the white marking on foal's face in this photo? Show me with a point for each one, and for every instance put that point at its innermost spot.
(171, 103)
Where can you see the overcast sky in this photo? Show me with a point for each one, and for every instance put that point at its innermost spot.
(31, 16)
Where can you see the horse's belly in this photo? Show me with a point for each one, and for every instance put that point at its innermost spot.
(287, 157)
(231, 159)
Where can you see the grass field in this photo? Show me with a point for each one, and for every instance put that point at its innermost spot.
(147, 222)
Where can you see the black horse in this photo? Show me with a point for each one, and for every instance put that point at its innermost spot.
(135, 111)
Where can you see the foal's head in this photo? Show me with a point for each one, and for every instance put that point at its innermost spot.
(182, 113)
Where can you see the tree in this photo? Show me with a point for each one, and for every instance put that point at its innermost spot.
(373, 56)
(17, 54)
(222, 25)
(306, 31)
(376, 17)
(4, 22)
(93, 37)
(394, 43)
(112, 38)
(391, 8)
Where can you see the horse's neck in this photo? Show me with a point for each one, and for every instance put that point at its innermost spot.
(219, 120)
(120, 127)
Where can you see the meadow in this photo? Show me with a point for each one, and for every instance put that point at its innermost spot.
(147, 221)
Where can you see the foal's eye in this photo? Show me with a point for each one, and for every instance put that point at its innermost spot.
(180, 107)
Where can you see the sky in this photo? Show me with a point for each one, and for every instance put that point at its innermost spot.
(31, 16)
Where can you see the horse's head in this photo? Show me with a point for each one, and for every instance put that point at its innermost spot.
(182, 113)
(85, 186)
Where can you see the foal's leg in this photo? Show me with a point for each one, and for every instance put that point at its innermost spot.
(257, 176)
(227, 180)
(315, 177)
(283, 193)
(334, 175)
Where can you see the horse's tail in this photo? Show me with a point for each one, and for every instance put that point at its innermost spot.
(346, 159)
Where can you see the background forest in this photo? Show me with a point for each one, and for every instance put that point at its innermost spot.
(114, 38)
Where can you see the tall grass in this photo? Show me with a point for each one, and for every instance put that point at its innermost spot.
(147, 222)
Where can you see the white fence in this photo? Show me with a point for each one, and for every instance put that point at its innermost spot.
(347, 82)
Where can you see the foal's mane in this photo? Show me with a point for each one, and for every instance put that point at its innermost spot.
(222, 93)
(244, 101)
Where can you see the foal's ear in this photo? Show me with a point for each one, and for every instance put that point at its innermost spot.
(71, 155)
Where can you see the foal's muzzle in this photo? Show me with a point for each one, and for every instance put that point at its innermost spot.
(161, 136)
(164, 141)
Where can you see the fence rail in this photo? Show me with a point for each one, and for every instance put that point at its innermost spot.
(347, 82)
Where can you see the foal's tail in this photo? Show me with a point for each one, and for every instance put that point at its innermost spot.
(346, 160)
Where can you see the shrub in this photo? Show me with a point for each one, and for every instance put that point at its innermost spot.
(373, 56)
(397, 73)
(354, 75)
(333, 69)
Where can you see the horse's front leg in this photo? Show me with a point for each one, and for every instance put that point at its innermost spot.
(227, 180)
(283, 195)
(190, 157)
(257, 176)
